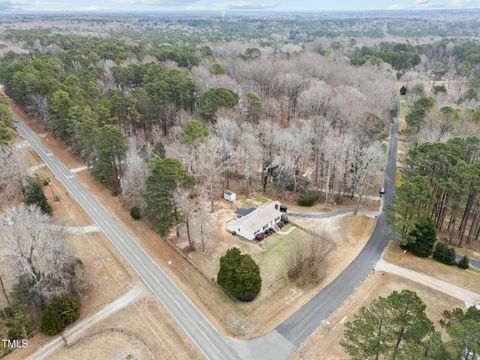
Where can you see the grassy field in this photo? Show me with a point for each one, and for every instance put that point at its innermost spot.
(403, 110)
(468, 279)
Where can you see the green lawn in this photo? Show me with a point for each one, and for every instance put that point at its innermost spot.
(403, 110)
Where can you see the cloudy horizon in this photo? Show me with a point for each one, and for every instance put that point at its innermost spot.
(229, 5)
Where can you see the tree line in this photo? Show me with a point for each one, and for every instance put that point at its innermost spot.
(441, 182)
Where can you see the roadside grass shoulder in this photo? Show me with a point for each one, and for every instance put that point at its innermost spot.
(468, 279)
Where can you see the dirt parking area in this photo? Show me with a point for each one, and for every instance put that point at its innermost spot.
(324, 342)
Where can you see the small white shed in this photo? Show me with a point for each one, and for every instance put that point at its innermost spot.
(229, 195)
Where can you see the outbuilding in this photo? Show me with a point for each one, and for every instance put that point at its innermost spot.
(265, 217)
(229, 195)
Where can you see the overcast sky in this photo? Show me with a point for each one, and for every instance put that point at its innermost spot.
(230, 5)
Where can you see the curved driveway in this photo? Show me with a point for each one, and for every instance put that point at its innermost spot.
(277, 344)
(303, 322)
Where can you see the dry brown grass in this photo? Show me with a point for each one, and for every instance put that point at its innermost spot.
(468, 279)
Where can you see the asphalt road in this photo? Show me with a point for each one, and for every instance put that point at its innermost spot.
(209, 341)
(277, 344)
(303, 322)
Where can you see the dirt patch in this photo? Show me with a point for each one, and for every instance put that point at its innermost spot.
(329, 334)
(468, 279)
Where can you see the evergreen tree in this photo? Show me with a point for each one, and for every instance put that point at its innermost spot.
(193, 131)
(7, 125)
(33, 195)
(370, 334)
(62, 311)
(392, 327)
(423, 239)
(165, 175)
(412, 206)
(444, 254)
(239, 275)
(18, 322)
(216, 98)
(464, 263)
(110, 147)
(463, 327)
(159, 150)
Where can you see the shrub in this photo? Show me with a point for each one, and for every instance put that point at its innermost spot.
(18, 321)
(439, 89)
(422, 239)
(33, 195)
(159, 150)
(403, 90)
(61, 312)
(135, 213)
(307, 199)
(239, 275)
(444, 254)
(464, 263)
(217, 69)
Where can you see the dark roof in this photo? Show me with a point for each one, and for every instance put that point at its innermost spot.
(244, 211)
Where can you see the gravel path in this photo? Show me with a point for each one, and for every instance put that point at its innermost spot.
(469, 297)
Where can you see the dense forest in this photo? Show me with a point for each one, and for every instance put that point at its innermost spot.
(301, 123)
(273, 115)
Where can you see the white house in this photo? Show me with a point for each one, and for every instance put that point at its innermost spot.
(258, 221)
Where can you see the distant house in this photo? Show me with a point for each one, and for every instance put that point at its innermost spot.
(229, 195)
(257, 221)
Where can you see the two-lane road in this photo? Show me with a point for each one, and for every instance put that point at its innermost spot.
(209, 341)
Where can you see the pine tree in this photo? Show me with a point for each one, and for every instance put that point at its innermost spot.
(422, 239)
(61, 312)
(444, 254)
(165, 175)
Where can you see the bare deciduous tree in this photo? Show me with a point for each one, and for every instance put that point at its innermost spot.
(306, 263)
(14, 171)
(35, 250)
(183, 212)
(133, 178)
(369, 161)
(214, 158)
